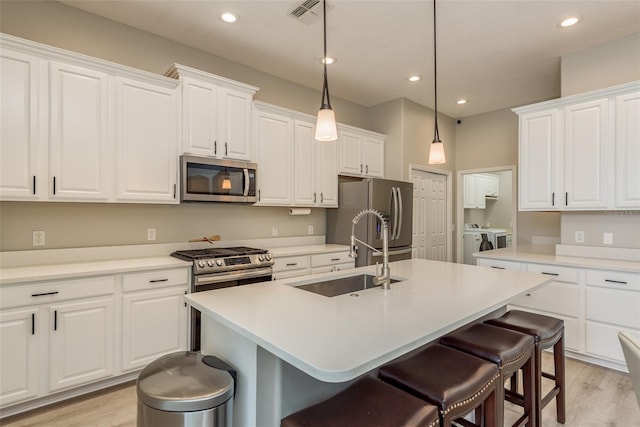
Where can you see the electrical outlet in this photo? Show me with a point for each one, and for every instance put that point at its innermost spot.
(579, 237)
(607, 238)
(38, 238)
(274, 230)
(310, 229)
(151, 234)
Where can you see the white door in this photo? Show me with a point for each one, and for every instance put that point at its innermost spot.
(235, 122)
(627, 148)
(430, 211)
(153, 324)
(18, 355)
(146, 142)
(21, 176)
(305, 164)
(199, 118)
(274, 135)
(82, 339)
(79, 136)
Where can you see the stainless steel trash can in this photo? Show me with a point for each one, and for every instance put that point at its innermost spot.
(186, 389)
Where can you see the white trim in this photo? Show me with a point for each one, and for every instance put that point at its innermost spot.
(449, 216)
(460, 203)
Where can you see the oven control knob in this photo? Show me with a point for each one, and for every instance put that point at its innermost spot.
(261, 258)
(267, 257)
(201, 263)
(210, 263)
(219, 262)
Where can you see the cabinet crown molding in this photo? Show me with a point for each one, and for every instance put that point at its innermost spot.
(178, 71)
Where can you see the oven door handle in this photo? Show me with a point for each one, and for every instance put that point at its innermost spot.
(206, 279)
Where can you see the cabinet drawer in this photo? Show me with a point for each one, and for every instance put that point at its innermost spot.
(559, 274)
(330, 268)
(290, 273)
(613, 279)
(499, 264)
(330, 259)
(555, 297)
(290, 263)
(46, 292)
(155, 279)
(613, 306)
(602, 341)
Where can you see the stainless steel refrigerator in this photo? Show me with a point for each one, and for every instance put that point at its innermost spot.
(394, 199)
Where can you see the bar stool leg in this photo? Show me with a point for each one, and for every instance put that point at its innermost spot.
(559, 372)
(528, 379)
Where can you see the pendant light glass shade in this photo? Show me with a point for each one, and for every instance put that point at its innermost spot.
(436, 149)
(326, 123)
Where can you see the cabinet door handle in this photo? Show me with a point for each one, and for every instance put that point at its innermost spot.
(158, 280)
(33, 323)
(553, 199)
(360, 167)
(34, 185)
(258, 195)
(215, 147)
(566, 199)
(620, 282)
(225, 149)
(44, 293)
(366, 169)
(54, 185)
(321, 197)
(497, 268)
(527, 295)
(291, 264)
(550, 274)
(55, 320)
(174, 191)
(314, 197)
(335, 259)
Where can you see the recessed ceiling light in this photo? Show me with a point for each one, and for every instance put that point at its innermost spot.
(328, 60)
(415, 78)
(569, 22)
(461, 101)
(229, 17)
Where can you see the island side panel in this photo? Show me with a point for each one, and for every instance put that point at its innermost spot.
(239, 352)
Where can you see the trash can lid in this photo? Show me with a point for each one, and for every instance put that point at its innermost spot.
(181, 382)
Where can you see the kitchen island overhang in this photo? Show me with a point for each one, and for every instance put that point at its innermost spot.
(290, 345)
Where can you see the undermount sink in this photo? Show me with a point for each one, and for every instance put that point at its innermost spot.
(341, 285)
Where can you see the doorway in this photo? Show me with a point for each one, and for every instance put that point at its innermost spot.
(486, 198)
(432, 210)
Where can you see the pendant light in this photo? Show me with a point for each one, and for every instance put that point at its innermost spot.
(326, 122)
(436, 150)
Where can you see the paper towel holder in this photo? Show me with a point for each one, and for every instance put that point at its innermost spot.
(299, 211)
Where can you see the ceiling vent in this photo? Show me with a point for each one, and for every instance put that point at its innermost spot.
(307, 11)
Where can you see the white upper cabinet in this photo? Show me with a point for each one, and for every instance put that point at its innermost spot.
(627, 151)
(274, 149)
(361, 152)
(79, 133)
(216, 114)
(146, 141)
(581, 152)
(326, 173)
(21, 154)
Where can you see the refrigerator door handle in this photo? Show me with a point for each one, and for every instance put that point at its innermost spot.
(399, 193)
(394, 235)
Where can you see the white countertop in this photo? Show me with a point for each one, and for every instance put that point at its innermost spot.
(337, 339)
(34, 273)
(545, 254)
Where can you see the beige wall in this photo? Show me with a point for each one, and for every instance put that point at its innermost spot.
(601, 66)
(624, 225)
(80, 225)
(387, 119)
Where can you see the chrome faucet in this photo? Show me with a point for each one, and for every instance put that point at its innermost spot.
(384, 277)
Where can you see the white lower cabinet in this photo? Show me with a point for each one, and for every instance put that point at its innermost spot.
(19, 346)
(499, 264)
(302, 265)
(290, 266)
(81, 342)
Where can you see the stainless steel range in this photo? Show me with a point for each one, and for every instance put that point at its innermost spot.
(216, 268)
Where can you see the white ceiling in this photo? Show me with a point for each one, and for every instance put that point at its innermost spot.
(495, 53)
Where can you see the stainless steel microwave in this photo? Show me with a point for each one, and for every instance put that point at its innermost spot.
(205, 179)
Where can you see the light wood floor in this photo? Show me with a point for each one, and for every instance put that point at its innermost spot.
(596, 397)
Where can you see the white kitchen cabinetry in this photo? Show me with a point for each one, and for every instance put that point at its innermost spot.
(19, 348)
(76, 128)
(627, 151)
(492, 186)
(146, 141)
(79, 145)
(612, 304)
(499, 264)
(301, 265)
(336, 261)
(81, 342)
(22, 159)
(361, 152)
(216, 114)
(477, 187)
(154, 316)
(570, 156)
(274, 150)
(290, 266)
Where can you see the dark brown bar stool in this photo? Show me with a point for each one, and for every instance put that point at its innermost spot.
(367, 402)
(547, 332)
(454, 381)
(511, 351)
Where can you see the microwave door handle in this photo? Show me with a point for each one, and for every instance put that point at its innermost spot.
(399, 193)
(245, 193)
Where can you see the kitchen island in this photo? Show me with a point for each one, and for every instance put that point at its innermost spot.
(293, 348)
